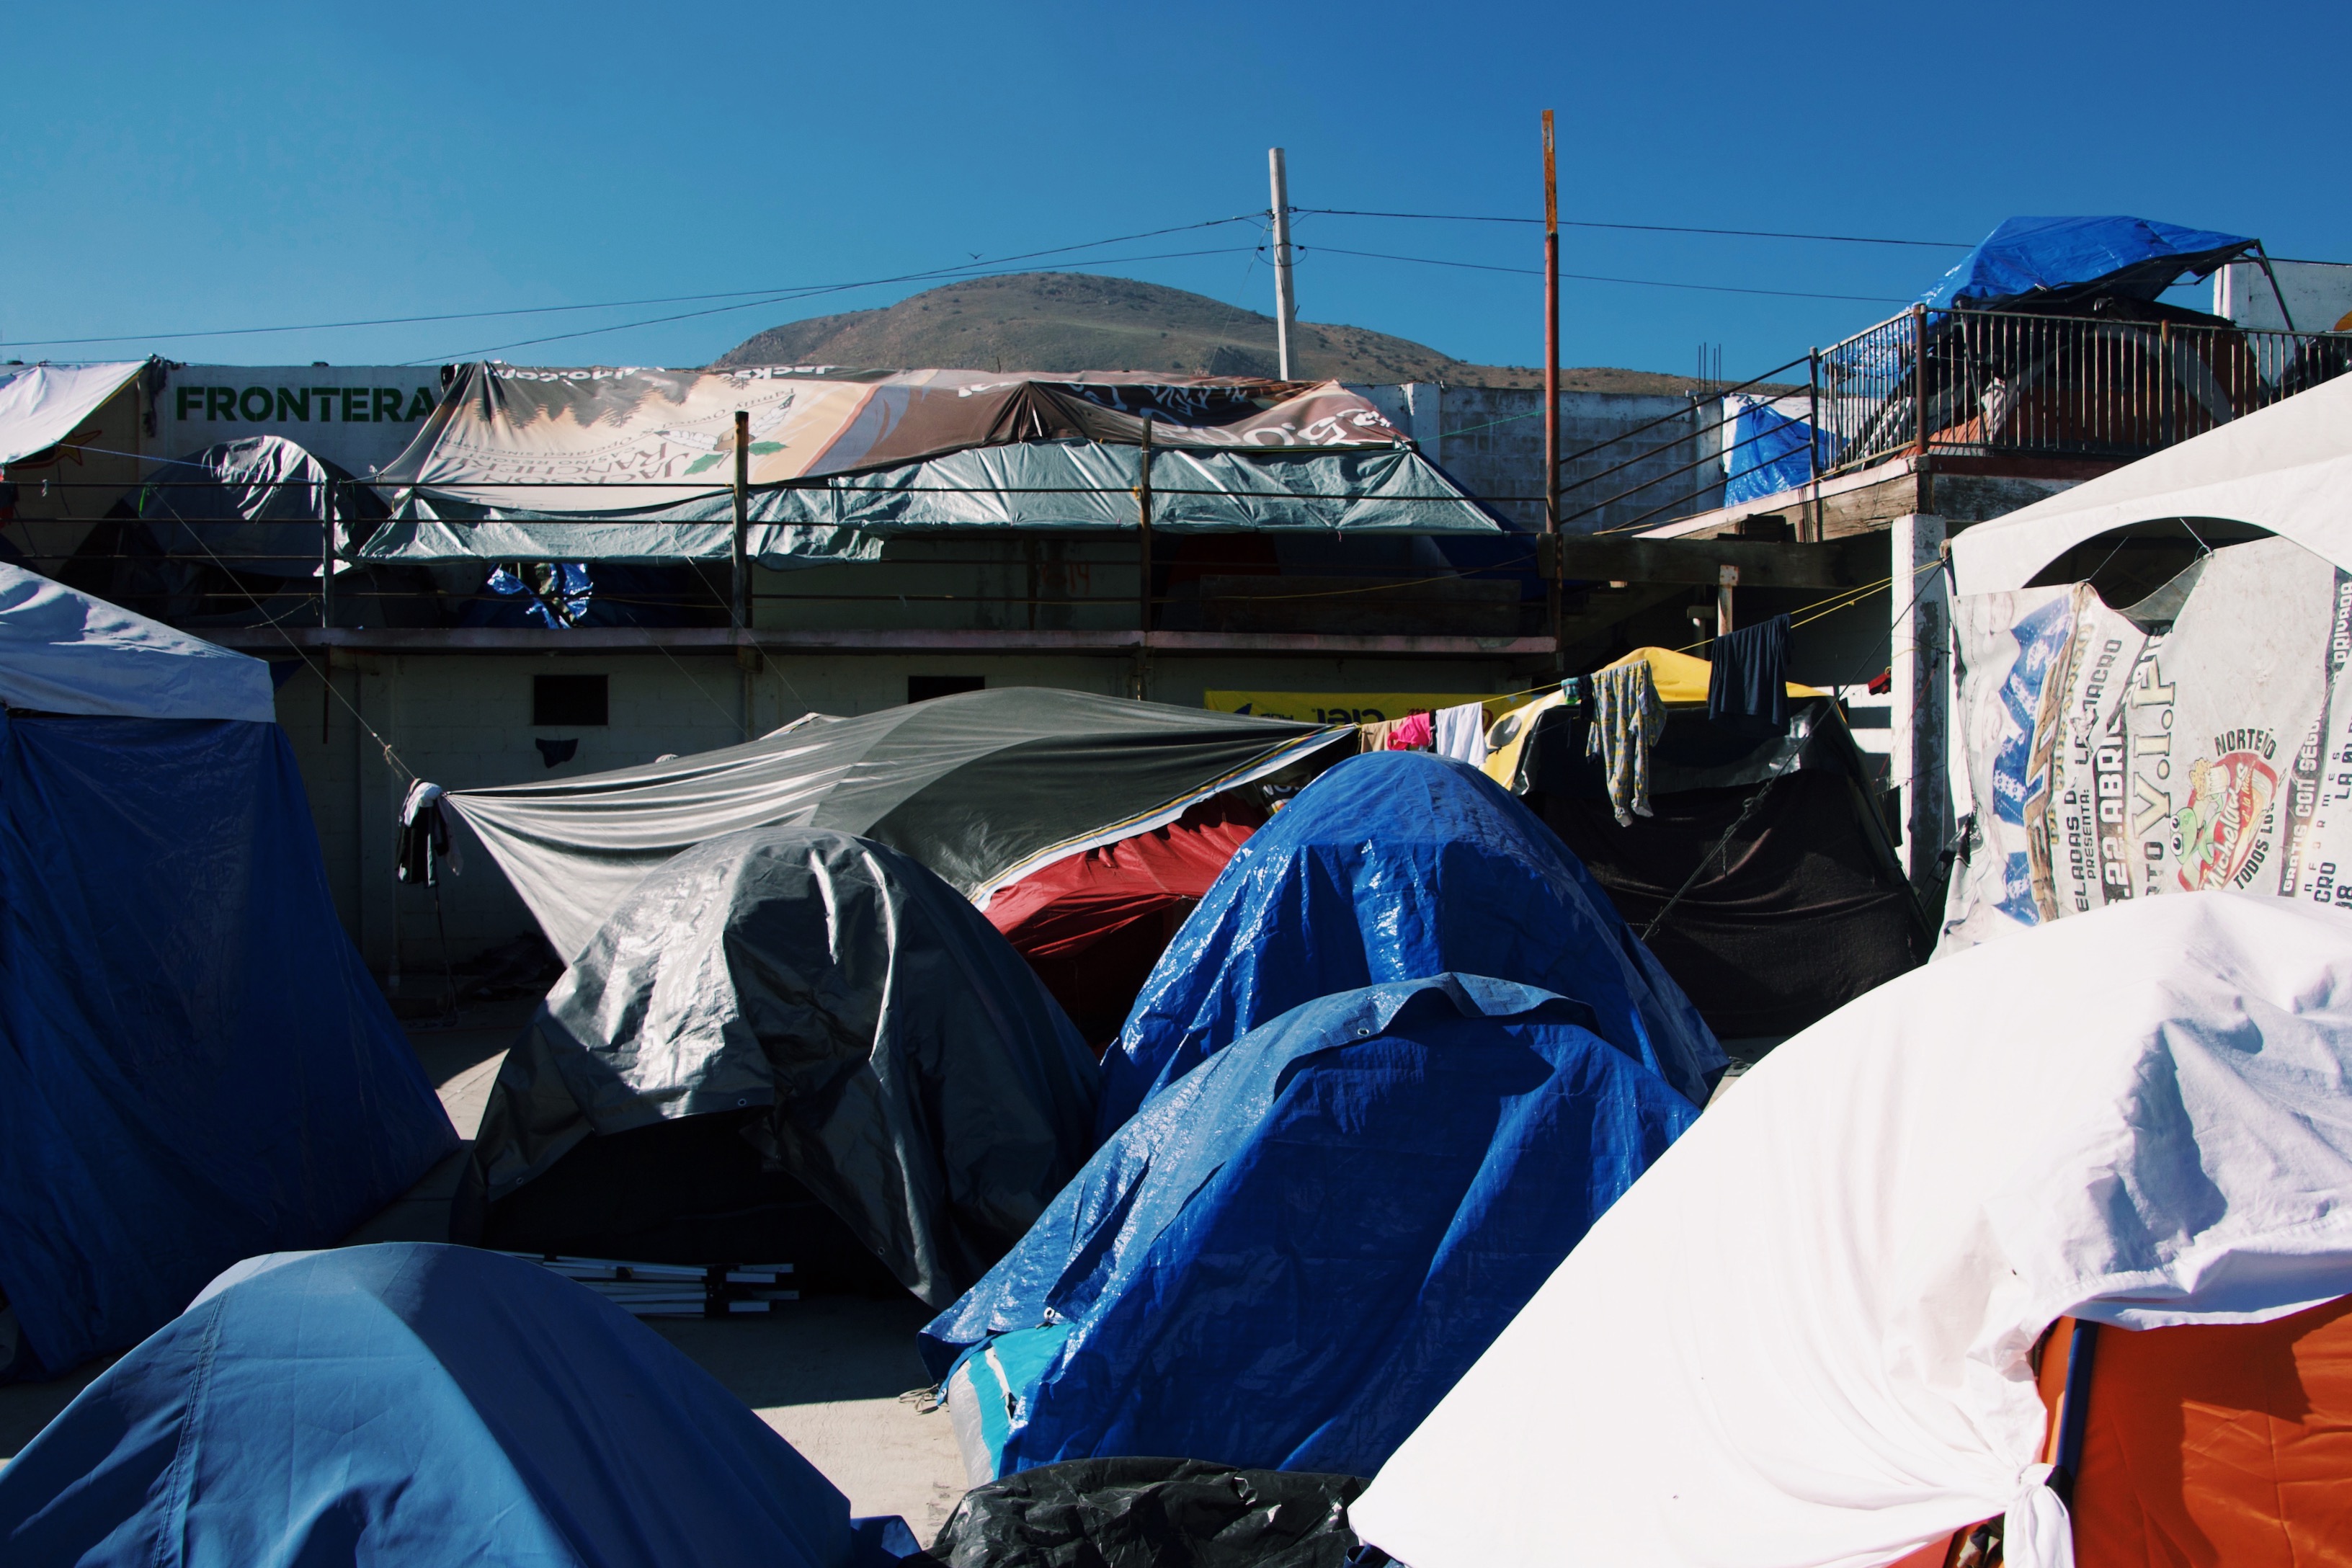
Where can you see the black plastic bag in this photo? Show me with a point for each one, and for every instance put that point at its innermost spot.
(1155, 1513)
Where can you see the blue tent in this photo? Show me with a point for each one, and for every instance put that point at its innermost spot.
(194, 1066)
(2129, 255)
(1287, 1258)
(411, 1405)
(1392, 867)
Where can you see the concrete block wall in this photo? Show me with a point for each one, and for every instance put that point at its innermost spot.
(464, 720)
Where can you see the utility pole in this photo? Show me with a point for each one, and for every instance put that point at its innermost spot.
(1139, 684)
(1286, 303)
(745, 653)
(1551, 387)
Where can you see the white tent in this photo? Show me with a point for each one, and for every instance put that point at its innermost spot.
(2287, 468)
(40, 405)
(1803, 1337)
(65, 652)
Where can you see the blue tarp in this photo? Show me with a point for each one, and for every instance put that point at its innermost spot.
(1392, 867)
(1287, 1259)
(412, 1406)
(194, 1066)
(2142, 257)
(1768, 453)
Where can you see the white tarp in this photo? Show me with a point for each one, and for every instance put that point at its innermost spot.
(1803, 1337)
(41, 405)
(2287, 468)
(64, 652)
(2111, 759)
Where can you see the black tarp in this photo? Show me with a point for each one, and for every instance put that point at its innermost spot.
(1802, 905)
(1154, 1513)
(783, 1037)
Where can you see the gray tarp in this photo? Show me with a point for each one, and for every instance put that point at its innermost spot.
(981, 787)
(921, 1082)
(1030, 485)
(65, 652)
(254, 505)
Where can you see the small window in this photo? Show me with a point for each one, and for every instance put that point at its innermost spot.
(567, 701)
(923, 688)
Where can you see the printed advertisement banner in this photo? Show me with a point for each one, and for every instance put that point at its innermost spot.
(2202, 740)
(1349, 707)
(357, 417)
(619, 439)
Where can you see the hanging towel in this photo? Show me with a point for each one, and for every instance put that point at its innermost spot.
(1746, 688)
(1627, 718)
(1461, 733)
(1413, 733)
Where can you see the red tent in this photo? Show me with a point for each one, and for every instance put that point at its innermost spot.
(1093, 925)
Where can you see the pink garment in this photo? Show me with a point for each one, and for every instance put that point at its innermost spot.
(1411, 734)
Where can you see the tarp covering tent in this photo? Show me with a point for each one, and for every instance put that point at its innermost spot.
(2045, 257)
(2195, 739)
(197, 1067)
(41, 405)
(1151, 1513)
(1289, 1255)
(412, 1406)
(254, 505)
(1805, 1336)
(1394, 865)
(984, 788)
(814, 1016)
(2286, 468)
(630, 464)
(1787, 900)
(66, 652)
(1093, 925)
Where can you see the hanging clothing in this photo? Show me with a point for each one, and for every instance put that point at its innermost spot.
(1413, 733)
(1747, 688)
(1377, 737)
(1627, 718)
(423, 837)
(1506, 738)
(1461, 733)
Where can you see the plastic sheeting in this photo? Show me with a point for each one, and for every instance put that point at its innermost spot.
(41, 405)
(1393, 866)
(254, 505)
(65, 652)
(197, 1067)
(412, 1406)
(984, 788)
(1151, 1513)
(919, 1080)
(1770, 447)
(1288, 1258)
(2285, 467)
(1803, 1338)
(2136, 256)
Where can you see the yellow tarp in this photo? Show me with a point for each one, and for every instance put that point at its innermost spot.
(1683, 678)
(1348, 707)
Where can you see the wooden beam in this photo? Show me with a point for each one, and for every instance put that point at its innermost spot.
(1700, 561)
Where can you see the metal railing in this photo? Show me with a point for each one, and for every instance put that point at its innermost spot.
(2115, 383)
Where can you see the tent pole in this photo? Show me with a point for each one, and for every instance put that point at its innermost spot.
(1551, 568)
(740, 556)
(1285, 306)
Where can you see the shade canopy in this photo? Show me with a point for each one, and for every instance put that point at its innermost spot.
(62, 651)
(2287, 467)
(1805, 1335)
(983, 787)
(2138, 256)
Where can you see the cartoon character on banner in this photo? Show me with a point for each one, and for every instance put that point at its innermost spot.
(2218, 831)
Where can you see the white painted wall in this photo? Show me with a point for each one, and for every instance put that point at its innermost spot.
(2319, 293)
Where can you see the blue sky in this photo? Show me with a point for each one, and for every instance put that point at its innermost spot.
(194, 168)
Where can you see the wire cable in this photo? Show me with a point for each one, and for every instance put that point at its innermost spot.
(1597, 278)
(1653, 229)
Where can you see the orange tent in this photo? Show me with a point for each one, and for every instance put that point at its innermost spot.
(2205, 1445)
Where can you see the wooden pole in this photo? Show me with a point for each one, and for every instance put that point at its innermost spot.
(1551, 389)
(1139, 685)
(1286, 303)
(740, 557)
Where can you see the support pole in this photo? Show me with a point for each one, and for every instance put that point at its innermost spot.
(1552, 390)
(1727, 578)
(1139, 684)
(740, 556)
(1813, 446)
(1919, 644)
(326, 609)
(1286, 303)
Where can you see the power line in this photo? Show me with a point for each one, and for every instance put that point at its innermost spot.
(1654, 229)
(619, 304)
(1595, 278)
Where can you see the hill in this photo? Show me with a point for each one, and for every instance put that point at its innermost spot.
(1074, 321)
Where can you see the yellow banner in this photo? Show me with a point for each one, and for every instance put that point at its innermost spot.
(1349, 707)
